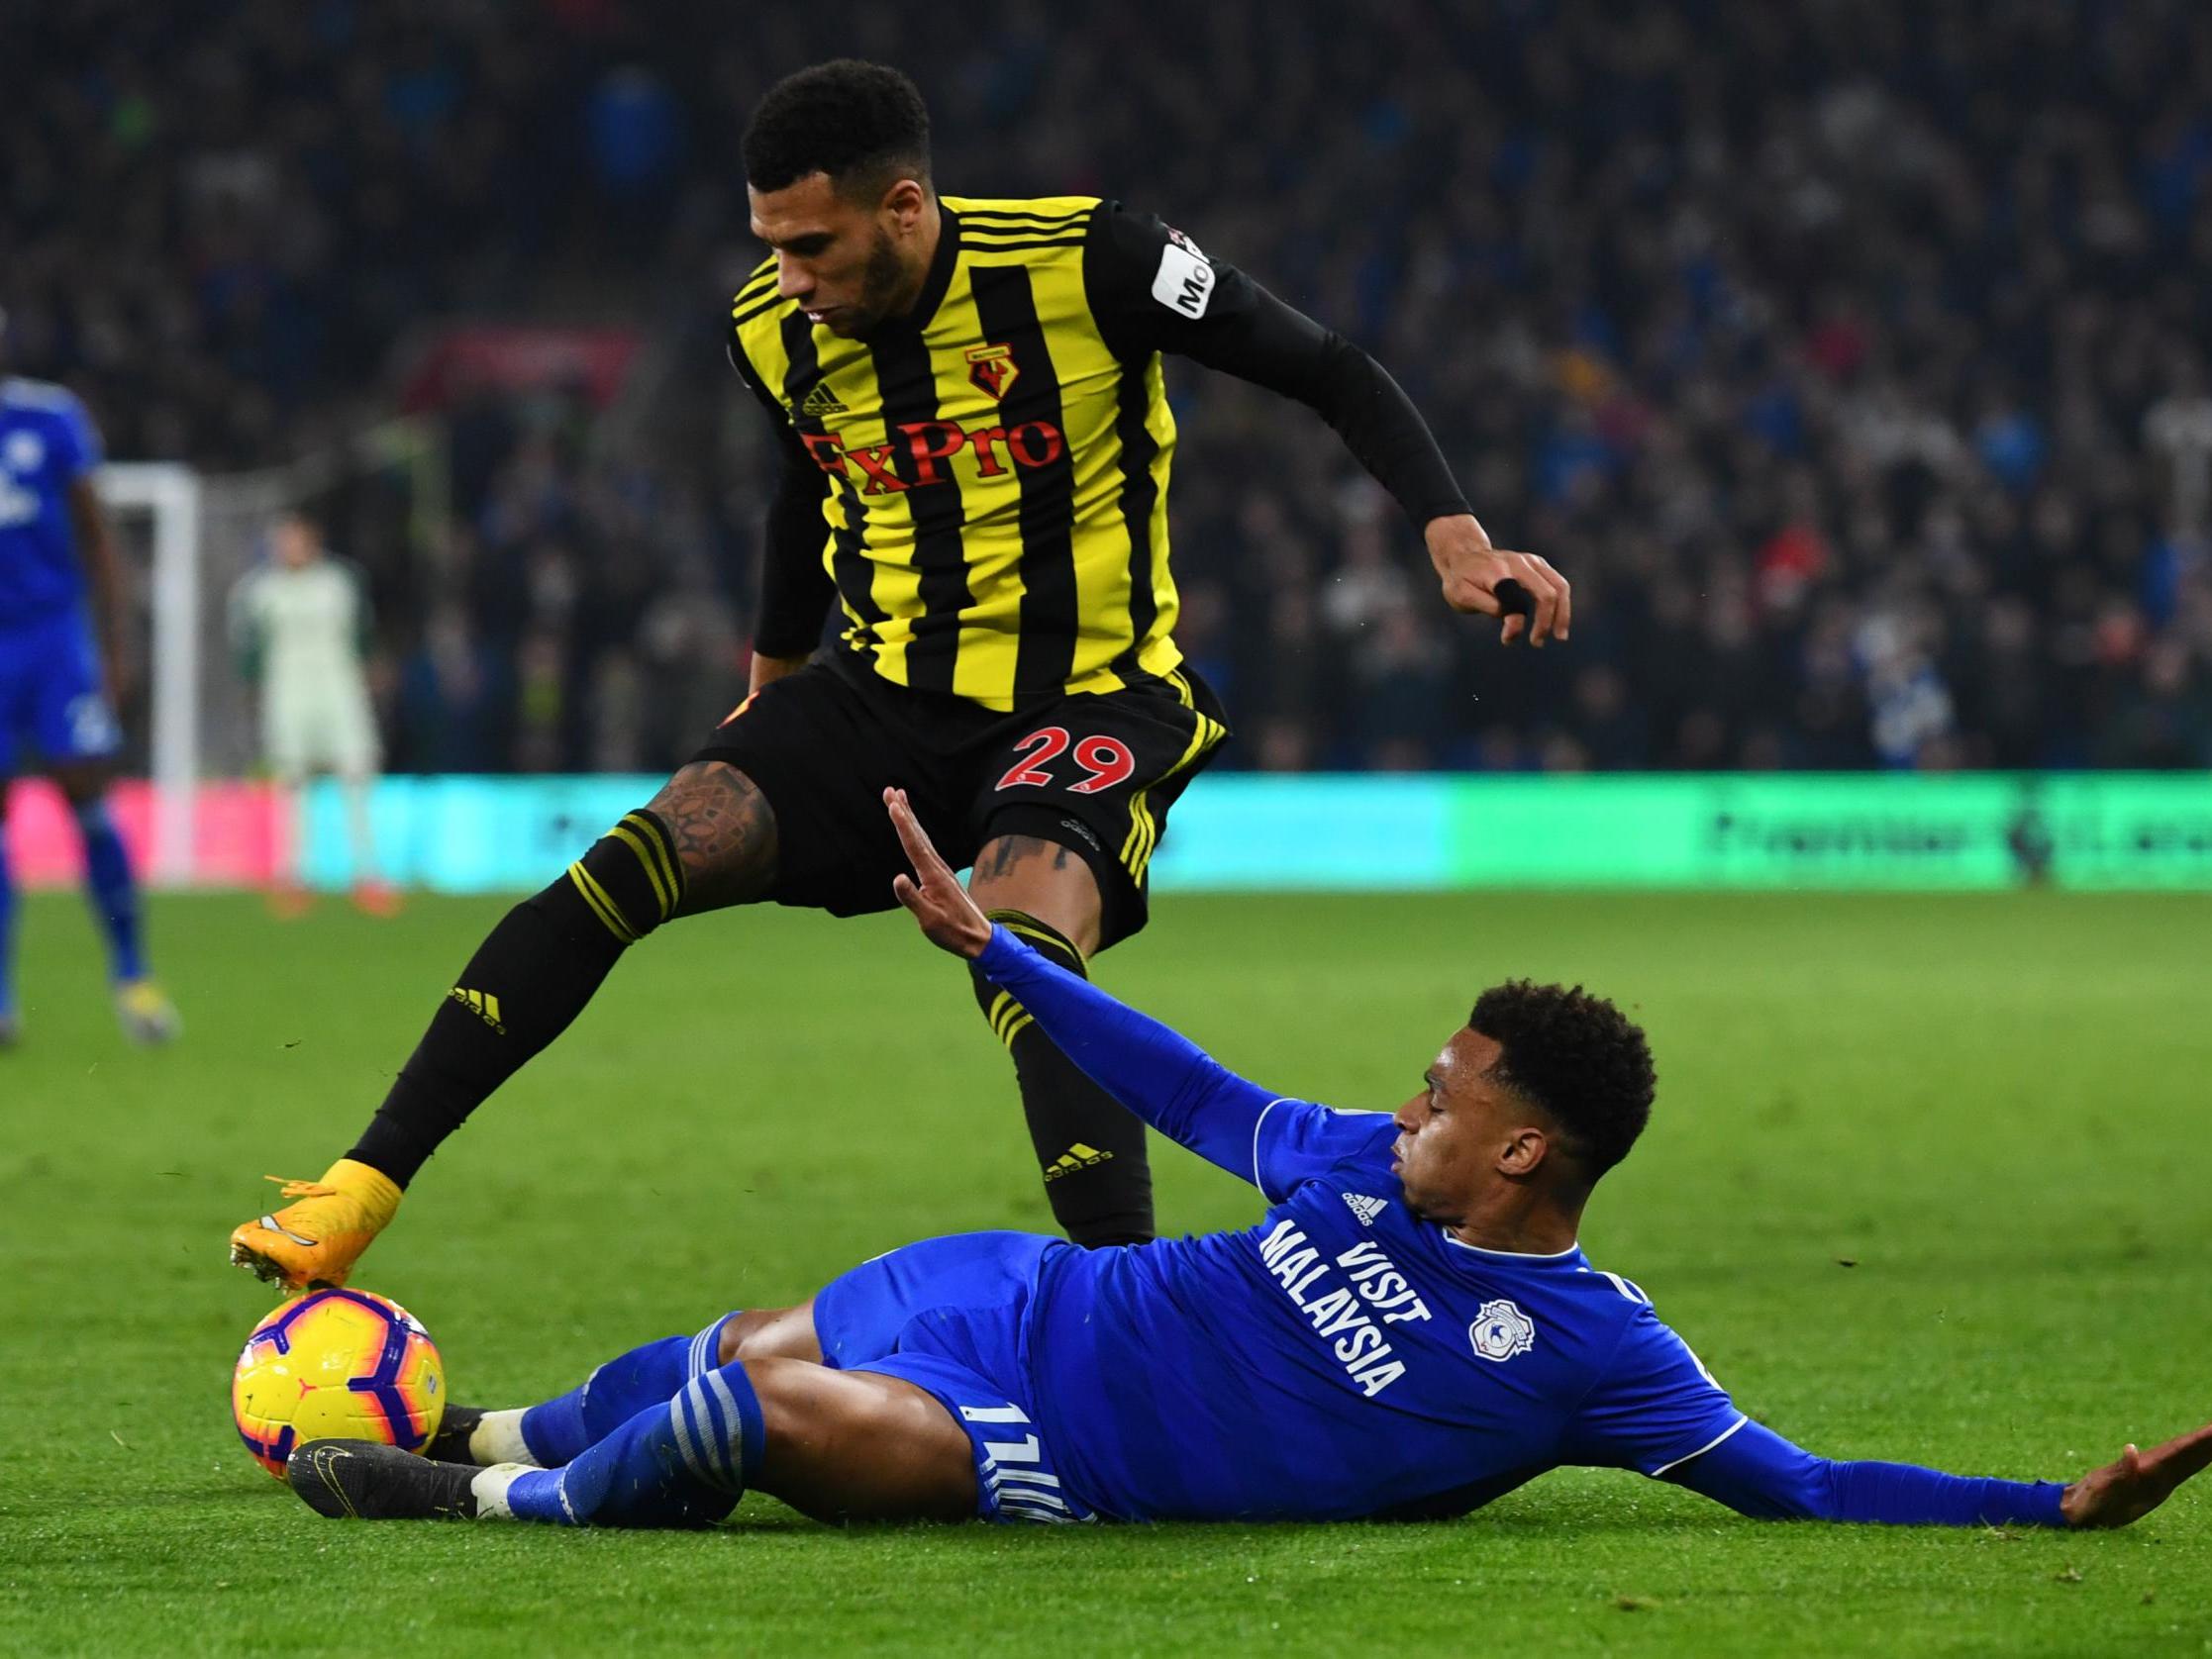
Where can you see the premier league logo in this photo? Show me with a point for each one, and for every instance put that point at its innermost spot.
(1502, 1330)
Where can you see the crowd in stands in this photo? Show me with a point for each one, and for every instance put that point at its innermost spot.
(1848, 356)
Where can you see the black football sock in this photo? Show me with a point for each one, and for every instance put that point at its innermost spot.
(527, 981)
(1092, 1147)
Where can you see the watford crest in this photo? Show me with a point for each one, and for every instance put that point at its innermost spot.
(991, 369)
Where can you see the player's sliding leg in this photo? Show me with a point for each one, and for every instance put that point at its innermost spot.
(1091, 1148)
(556, 1430)
(836, 1445)
(681, 1461)
(112, 891)
(706, 841)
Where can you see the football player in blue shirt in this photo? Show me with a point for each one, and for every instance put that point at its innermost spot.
(1410, 1331)
(54, 696)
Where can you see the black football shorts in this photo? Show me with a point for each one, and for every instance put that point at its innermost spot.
(1094, 772)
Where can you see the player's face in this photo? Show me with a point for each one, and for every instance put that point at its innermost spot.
(296, 544)
(1461, 1134)
(850, 264)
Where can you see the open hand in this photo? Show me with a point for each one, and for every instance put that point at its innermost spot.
(948, 916)
(1470, 570)
(2139, 1483)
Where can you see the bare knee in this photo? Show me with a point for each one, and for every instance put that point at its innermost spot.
(770, 1333)
(725, 834)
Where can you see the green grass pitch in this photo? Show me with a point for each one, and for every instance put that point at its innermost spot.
(1929, 1179)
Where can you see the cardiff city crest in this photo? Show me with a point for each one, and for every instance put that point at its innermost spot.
(1502, 1330)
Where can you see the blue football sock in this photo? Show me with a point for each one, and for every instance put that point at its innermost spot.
(680, 1463)
(7, 926)
(112, 890)
(563, 1429)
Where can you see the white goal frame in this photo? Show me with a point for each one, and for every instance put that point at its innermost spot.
(169, 492)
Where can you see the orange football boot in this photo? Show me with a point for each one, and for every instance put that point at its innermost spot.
(317, 1238)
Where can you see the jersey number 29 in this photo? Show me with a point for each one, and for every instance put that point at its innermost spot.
(1105, 762)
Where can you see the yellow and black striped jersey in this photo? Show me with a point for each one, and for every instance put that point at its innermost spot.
(992, 467)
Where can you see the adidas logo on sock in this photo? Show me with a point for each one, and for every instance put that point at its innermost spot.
(822, 401)
(1365, 1208)
(482, 1004)
(1077, 1156)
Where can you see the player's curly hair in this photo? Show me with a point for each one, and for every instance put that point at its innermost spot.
(855, 121)
(1576, 1058)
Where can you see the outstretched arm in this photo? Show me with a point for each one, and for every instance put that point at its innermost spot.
(1658, 1409)
(1756, 1472)
(1275, 345)
(1158, 1074)
(1153, 291)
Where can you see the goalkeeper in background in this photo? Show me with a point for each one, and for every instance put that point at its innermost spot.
(300, 627)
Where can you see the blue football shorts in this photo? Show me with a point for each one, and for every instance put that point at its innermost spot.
(949, 1316)
(52, 695)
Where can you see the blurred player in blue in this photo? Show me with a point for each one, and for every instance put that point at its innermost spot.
(1410, 1331)
(57, 700)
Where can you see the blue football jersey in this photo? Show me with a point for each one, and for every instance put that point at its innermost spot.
(1347, 1358)
(46, 443)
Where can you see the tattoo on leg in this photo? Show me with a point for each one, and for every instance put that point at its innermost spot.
(1045, 878)
(1004, 855)
(725, 834)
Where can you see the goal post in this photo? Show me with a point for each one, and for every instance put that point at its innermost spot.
(171, 495)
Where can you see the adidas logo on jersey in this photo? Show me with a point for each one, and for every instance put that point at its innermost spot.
(1077, 1156)
(1365, 1208)
(482, 1004)
(822, 401)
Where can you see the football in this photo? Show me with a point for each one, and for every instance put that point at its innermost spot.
(336, 1364)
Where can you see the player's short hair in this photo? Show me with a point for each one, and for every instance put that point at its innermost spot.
(1576, 1059)
(860, 123)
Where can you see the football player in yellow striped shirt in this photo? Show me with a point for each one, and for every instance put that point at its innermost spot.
(976, 446)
